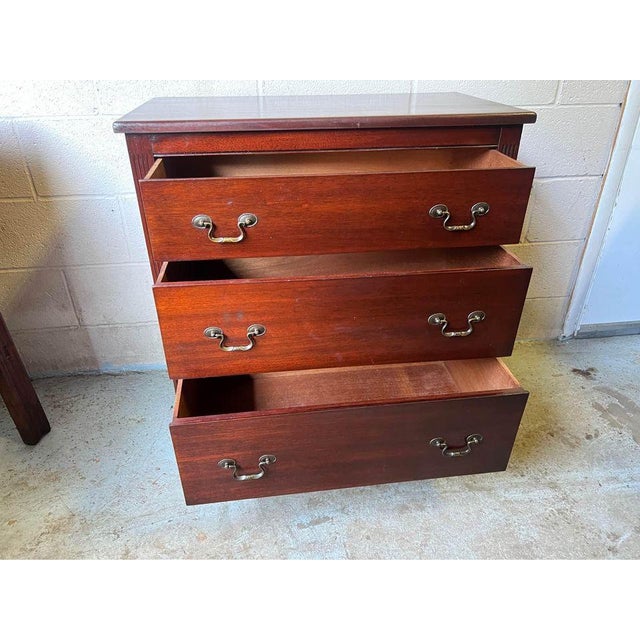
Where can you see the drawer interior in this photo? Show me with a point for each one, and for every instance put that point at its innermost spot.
(342, 265)
(306, 163)
(346, 386)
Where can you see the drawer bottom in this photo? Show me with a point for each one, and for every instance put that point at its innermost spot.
(334, 428)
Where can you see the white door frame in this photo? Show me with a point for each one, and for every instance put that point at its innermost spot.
(604, 211)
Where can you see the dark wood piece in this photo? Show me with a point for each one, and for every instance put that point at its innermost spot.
(196, 115)
(351, 443)
(18, 393)
(333, 202)
(375, 311)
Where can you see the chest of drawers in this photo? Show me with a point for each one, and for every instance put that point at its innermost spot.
(330, 286)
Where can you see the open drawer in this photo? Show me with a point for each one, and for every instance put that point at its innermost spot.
(277, 314)
(278, 433)
(270, 204)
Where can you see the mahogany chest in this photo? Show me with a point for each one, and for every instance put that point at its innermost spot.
(330, 286)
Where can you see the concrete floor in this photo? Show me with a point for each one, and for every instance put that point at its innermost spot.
(104, 484)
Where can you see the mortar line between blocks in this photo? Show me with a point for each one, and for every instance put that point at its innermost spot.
(25, 164)
(96, 97)
(73, 266)
(86, 196)
(68, 290)
(87, 326)
(559, 86)
(62, 116)
(572, 105)
(111, 325)
(525, 228)
(554, 178)
(123, 227)
(549, 242)
(413, 94)
(546, 297)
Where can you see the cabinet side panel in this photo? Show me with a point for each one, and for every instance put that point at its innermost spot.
(509, 142)
(141, 159)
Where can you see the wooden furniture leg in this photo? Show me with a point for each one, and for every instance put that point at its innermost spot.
(18, 392)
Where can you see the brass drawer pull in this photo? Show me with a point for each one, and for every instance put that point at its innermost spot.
(457, 452)
(263, 463)
(442, 211)
(205, 222)
(440, 320)
(253, 331)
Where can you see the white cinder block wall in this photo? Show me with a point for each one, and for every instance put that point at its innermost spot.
(74, 282)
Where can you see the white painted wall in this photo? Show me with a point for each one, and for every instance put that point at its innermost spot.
(615, 290)
(74, 284)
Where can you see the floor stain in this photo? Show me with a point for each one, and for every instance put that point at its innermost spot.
(617, 539)
(592, 436)
(624, 413)
(585, 373)
(314, 523)
(565, 437)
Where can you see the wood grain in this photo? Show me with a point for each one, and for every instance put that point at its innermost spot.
(371, 264)
(256, 141)
(201, 398)
(344, 447)
(310, 163)
(364, 211)
(338, 320)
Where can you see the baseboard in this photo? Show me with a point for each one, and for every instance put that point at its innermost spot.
(608, 329)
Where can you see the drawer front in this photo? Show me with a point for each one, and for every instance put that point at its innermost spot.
(332, 214)
(330, 449)
(336, 322)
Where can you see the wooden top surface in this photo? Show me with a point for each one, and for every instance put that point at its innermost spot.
(279, 113)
